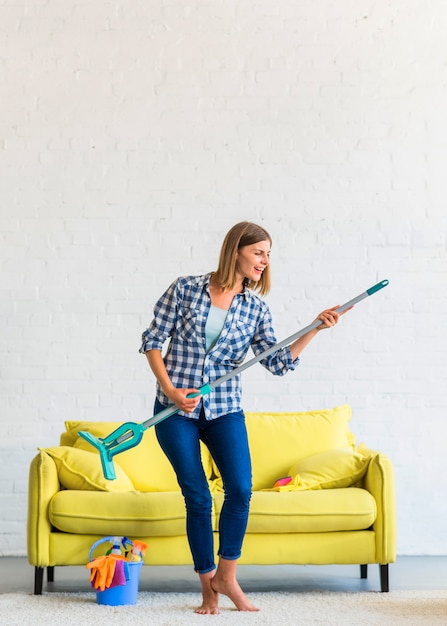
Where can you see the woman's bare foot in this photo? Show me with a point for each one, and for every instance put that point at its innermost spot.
(210, 597)
(232, 589)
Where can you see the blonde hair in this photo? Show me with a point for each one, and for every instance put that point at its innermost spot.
(239, 236)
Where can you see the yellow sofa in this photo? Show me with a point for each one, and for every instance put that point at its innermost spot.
(338, 508)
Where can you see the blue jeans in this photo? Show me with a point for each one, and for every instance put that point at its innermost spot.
(226, 439)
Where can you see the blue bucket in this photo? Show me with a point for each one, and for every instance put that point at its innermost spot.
(123, 594)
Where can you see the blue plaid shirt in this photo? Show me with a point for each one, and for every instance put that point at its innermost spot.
(181, 313)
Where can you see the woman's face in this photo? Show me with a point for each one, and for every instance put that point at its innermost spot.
(252, 260)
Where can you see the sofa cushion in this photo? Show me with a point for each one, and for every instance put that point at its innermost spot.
(309, 511)
(130, 514)
(145, 464)
(332, 469)
(80, 469)
(278, 440)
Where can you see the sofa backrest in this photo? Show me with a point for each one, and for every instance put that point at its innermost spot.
(278, 440)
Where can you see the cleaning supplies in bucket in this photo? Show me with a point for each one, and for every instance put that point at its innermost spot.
(116, 575)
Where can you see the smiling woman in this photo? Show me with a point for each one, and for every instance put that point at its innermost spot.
(211, 321)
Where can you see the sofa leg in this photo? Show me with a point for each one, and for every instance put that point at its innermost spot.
(384, 580)
(50, 573)
(38, 580)
(364, 571)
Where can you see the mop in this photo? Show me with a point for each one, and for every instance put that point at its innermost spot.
(130, 434)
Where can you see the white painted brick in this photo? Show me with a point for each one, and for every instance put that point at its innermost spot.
(133, 136)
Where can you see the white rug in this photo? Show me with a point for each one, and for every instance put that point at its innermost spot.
(285, 608)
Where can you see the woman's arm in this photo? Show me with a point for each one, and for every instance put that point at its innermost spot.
(177, 396)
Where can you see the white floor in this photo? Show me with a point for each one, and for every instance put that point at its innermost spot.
(409, 572)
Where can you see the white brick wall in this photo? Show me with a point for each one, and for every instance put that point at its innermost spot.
(134, 134)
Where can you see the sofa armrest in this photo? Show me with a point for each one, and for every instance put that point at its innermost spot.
(43, 484)
(379, 481)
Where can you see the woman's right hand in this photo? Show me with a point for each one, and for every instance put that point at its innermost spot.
(176, 396)
(180, 398)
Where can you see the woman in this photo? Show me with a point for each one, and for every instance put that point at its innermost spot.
(211, 321)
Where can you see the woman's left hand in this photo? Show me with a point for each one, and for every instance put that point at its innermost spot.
(330, 317)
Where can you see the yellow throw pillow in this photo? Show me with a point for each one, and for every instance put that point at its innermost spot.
(332, 469)
(82, 470)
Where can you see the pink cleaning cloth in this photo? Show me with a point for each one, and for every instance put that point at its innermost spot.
(119, 575)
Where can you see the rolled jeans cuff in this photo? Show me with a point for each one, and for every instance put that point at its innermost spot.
(230, 558)
(205, 571)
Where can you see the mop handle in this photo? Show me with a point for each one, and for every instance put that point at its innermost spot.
(277, 346)
(297, 335)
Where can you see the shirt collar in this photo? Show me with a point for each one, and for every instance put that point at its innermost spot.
(205, 280)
